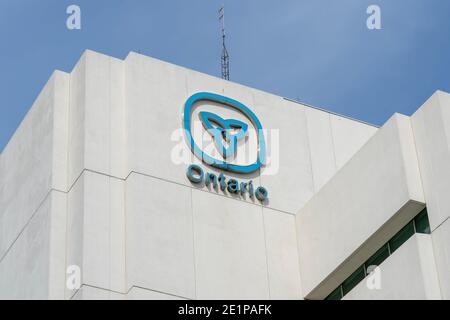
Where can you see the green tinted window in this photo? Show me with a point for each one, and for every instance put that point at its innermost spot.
(422, 223)
(378, 257)
(401, 237)
(353, 280)
(335, 295)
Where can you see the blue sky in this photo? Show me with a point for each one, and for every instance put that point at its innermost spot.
(317, 51)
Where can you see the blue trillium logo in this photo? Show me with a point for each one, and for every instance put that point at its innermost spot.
(226, 133)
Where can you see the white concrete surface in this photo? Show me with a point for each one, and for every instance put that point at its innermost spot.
(323, 158)
(441, 241)
(229, 248)
(135, 293)
(97, 211)
(97, 117)
(57, 246)
(93, 293)
(24, 271)
(34, 267)
(431, 124)
(292, 185)
(160, 252)
(348, 137)
(282, 255)
(348, 218)
(30, 165)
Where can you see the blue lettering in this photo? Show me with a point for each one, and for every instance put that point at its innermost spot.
(195, 173)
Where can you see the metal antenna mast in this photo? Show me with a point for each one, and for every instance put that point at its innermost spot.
(225, 57)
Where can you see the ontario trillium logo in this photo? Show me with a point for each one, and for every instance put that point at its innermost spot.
(229, 134)
(226, 133)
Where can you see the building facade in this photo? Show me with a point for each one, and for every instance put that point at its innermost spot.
(108, 181)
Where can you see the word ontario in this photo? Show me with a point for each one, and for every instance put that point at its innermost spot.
(196, 175)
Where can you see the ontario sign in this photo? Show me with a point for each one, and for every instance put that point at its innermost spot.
(238, 143)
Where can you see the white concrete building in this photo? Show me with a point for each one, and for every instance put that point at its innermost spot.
(91, 179)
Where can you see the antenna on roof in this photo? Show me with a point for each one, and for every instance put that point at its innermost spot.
(225, 59)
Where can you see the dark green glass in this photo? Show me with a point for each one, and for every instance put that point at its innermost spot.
(402, 236)
(353, 280)
(378, 257)
(422, 223)
(335, 295)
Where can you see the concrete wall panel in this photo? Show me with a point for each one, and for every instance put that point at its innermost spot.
(441, 244)
(288, 174)
(431, 124)
(230, 257)
(347, 220)
(29, 162)
(33, 268)
(282, 255)
(348, 137)
(321, 145)
(96, 231)
(160, 253)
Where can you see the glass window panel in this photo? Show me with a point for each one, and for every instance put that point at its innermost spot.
(335, 295)
(378, 257)
(353, 280)
(402, 236)
(422, 222)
